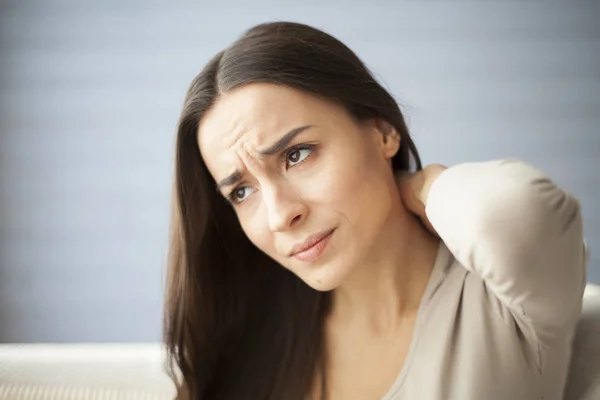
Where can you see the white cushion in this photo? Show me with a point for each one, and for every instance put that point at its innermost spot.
(84, 371)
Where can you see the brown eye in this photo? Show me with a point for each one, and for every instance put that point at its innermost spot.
(294, 156)
(239, 193)
(298, 155)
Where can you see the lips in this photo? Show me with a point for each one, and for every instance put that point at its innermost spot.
(312, 247)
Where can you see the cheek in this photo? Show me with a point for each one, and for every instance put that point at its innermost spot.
(258, 233)
(357, 195)
(347, 183)
(261, 236)
(253, 231)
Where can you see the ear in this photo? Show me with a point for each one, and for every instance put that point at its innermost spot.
(388, 138)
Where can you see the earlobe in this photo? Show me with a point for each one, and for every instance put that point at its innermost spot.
(391, 139)
(388, 139)
(392, 144)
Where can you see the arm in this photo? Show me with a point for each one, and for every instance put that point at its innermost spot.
(508, 223)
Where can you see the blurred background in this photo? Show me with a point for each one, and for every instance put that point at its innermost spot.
(90, 93)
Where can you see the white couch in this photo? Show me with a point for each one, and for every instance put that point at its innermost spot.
(84, 372)
(136, 371)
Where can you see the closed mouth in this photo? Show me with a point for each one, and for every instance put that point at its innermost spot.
(311, 242)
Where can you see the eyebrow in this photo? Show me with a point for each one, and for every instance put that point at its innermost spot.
(281, 144)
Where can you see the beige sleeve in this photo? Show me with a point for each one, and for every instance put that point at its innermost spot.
(511, 225)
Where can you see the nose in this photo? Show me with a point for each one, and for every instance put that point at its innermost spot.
(285, 209)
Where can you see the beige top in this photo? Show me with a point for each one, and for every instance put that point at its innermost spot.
(499, 311)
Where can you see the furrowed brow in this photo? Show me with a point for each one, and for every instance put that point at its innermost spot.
(284, 141)
(232, 179)
(281, 144)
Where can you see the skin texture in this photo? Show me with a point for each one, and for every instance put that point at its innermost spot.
(336, 185)
(335, 174)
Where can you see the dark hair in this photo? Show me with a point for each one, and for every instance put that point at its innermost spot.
(237, 324)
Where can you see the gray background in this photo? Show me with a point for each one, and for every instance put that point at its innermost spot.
(90, 94)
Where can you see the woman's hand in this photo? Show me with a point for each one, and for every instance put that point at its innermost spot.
(414, 190)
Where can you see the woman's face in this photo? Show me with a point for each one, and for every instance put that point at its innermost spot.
(310, 185)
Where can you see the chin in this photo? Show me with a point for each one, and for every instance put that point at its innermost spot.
(326, 277)
(322, 286)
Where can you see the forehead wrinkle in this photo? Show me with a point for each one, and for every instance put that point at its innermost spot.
(238, 126)
(249, 156)
(236, 155)
(222, 143)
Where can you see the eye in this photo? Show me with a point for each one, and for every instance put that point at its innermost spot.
(297, 155)
(239, 194)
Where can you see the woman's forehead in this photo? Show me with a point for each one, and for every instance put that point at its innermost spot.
(247, 120)
(253, 109)
(255, 115)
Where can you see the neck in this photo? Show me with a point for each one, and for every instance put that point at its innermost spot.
(388, 286)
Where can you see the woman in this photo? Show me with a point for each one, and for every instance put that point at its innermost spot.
(307, 260)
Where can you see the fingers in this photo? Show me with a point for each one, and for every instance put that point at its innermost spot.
(409, 185)
(414, 188)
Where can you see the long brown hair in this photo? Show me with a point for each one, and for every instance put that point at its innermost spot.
(238, 325)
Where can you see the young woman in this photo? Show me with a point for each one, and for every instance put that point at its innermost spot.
(308, 261)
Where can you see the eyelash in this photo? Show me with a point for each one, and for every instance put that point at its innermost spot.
(286, 154)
